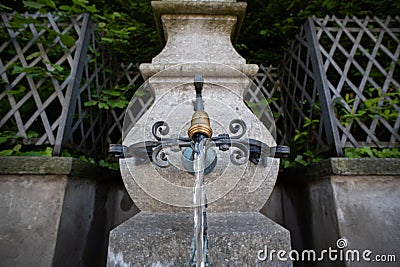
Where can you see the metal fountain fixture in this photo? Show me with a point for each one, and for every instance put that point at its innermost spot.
(200, 159)
(247, 148)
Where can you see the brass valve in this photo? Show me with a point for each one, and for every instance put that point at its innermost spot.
(200, 124)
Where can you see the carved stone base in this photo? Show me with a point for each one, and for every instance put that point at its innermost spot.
(164, 239)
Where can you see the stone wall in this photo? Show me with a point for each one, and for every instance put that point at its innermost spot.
(355, 199)
(58, 211)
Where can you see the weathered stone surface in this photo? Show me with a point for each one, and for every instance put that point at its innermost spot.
(218, 8)
(58, 211)
(237, 238)
(250, 70)
(30, 212)
(51, 165)
(164, 239)
(355, 199)
(198, 38)
(346, 167)
(368, 214)
(198, 31)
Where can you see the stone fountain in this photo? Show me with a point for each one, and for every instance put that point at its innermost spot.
(198, 38)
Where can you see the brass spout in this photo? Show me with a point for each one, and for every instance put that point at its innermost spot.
(200, 124)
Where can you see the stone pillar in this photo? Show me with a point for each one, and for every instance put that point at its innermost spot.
(198, 38)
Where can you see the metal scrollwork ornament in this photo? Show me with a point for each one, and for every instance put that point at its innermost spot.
(243, 149)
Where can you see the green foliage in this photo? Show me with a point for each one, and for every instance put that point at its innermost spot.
(384, 105)
(304, 159)
(109, 165)
(18, 151)
(377, 104)
(270, 25)
(7, 135)
(33, 72)
(29, 151)
(10, 145)
(127, 27)
(105, 163)
(118, 23)
(113, 98)
(303, 146)
(368, 152)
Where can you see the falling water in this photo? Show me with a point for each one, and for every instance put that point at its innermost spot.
(199, 200)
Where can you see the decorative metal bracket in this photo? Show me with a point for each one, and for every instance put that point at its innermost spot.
(244, 149)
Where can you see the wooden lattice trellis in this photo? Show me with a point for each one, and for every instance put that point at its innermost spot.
(345, 74)
(270, 112)
(53, 79)
(32, 57)
(335, 66)
(128, 75)
(88, 125)
(50, 65)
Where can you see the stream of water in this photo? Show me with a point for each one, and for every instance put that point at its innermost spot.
(199, 200)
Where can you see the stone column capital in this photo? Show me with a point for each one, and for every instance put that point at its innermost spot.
(196, 7)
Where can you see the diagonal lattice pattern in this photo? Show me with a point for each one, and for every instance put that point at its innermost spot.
(88, 132)
(300, 97)
(38, 59)
(355, 65)
(128, 76)
(267, 87)
(361, 59)
(337, 83)
(51, 66)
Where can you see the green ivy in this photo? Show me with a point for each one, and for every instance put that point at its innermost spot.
(270, 25)
(39, 151)
(129, 27)
(376, 105)
(17, 148)
(113, 98)
(303, 147)
(17, 151)
(7, 135)
(368, 152)
(384, 105)
(304, 159)
(108, 163)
